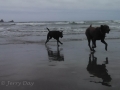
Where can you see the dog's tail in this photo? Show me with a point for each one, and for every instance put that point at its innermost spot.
(48, 29)
(91, 25)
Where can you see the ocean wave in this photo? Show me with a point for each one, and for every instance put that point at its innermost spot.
(60, 23)
(32, 24)
(1, 29)
(43, 23)
(7, 24)
(117, 21)
(104, 22)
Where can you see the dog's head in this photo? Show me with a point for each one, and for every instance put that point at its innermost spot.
(105, 28)
(61, 34)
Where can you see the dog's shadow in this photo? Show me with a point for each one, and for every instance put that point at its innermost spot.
(55, 55)
(99, 70)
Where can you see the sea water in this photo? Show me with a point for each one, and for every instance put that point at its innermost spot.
(36, 32)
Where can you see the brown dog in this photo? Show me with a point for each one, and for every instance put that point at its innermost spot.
(97, 33)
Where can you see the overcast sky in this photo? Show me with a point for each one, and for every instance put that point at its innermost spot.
(59, 10)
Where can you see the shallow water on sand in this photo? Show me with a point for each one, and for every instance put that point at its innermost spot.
(65, 68)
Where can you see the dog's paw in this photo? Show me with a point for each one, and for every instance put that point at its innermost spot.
(93, 46)
(106, 49)
(93, 50)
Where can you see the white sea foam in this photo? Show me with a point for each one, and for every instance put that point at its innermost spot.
(116, 21)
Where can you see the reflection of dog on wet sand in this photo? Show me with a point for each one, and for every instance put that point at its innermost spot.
(55, 55)
(98, 70)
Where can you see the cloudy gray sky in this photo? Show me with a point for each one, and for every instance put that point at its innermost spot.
(59, 10)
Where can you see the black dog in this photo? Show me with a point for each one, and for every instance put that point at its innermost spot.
(55, 35)
(97, 33)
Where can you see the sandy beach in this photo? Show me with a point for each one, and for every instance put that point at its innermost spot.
(34, 66)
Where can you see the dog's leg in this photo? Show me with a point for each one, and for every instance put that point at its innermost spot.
(106, 62)
(93, 43)
(57, 44)
(93, 47)
(48, 38)
(90, 59)
(59, 41)
(47, 41)
(89, 44)
(105, 44)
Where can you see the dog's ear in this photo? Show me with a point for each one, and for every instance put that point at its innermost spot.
(102, 26)
(91, 25)
(47, 28)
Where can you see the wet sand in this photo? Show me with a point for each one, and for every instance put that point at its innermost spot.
(39, 67)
